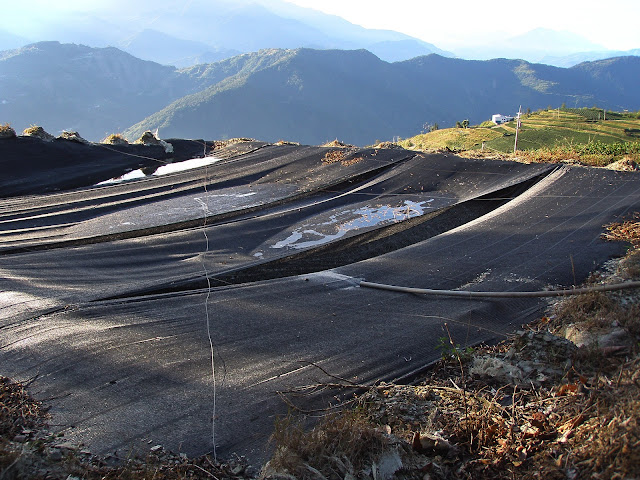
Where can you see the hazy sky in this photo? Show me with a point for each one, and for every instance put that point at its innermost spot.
(614, 24)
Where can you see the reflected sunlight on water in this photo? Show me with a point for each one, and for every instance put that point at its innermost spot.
(350, 220)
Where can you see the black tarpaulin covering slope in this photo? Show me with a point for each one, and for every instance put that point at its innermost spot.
(392, 187)
(33, 166)
(124, 350)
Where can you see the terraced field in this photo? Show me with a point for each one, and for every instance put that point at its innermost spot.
(540, 130)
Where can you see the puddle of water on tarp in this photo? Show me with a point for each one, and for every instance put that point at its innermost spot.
(350, 220)
(163, 170)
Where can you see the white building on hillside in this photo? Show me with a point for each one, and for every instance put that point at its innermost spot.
(499, 119)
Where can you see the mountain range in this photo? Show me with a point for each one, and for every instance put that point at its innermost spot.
(305, 95)
(182, 34)
(185, 33)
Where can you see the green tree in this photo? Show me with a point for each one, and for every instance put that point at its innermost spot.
(465, 123)
(458, 125)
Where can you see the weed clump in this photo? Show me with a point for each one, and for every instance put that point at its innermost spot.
(38, 132)
(73, 137)
(344, 156)
(334, 156)
(627, 231)
(19, 410)
(341, 445)
(337, 143)
(115, 139)
(6, 131)
(388, 145)
(148, 138)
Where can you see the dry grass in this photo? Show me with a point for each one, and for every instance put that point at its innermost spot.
(453, 139)
(337, 143)
(581, 423)
(608, 442)
(596, 308)
(387, 145)
(73, 137)
(334, 156)
(6, 131)
(218, 144)
(627, 231)
(19, 413)
(344, 156)
(567, 155)
(115, 139)
(147, 138)
(173, 468)
(18, 410)
(38, 132)
(629, 266)
(340, 445)
(352, 161)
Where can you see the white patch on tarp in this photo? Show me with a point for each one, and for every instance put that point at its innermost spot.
(352, 220)
(186, 165)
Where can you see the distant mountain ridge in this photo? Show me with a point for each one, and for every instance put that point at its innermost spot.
(185, 33)
(304, 95)
(533, 46)
(202, 31)
(74, 87)
(568, 61)
(313, 96)
(167, 50)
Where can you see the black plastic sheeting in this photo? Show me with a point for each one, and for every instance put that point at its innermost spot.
(32, 166)
(105, 299)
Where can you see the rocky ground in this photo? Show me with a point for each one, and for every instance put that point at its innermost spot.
(559, 399)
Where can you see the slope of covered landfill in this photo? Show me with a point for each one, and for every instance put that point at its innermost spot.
(114, 297)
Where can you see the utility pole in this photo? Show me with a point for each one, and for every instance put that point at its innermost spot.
(518, 125)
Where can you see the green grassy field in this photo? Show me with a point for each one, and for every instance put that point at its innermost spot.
(577, 131)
